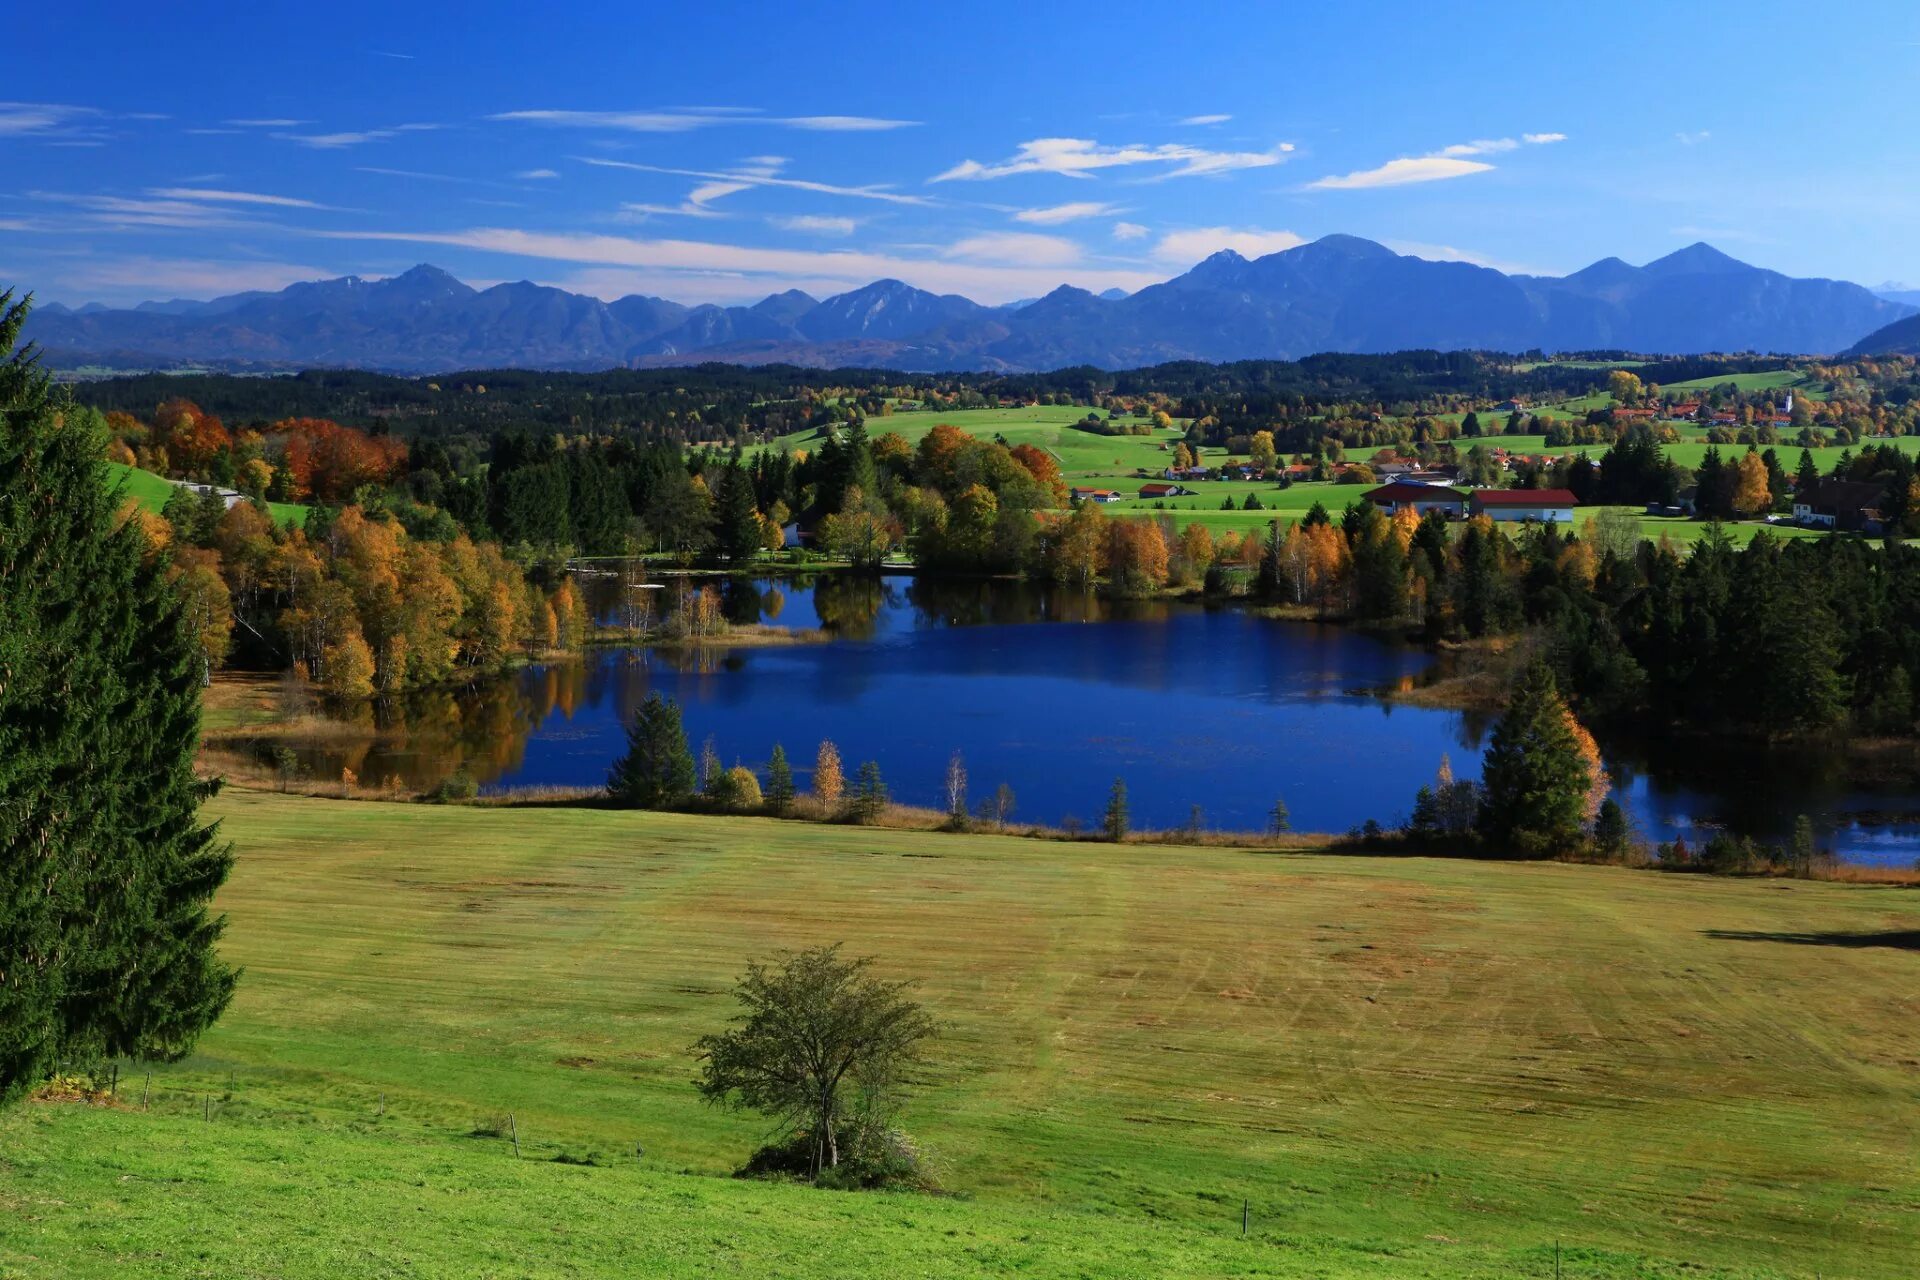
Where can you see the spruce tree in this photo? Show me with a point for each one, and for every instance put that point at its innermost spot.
(780, 790)
(657, 770)
(1535, 779)
(1114, 824)
(107, 946)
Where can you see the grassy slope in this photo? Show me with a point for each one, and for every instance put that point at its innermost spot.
(1109, 462)
(152, 491)
(1409, 1067)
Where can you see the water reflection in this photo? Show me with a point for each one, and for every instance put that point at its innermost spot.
(1214, 707)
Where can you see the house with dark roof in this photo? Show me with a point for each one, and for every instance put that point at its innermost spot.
(1419, 498)
(1546, 506)
(1163, 489)
(1840, 504)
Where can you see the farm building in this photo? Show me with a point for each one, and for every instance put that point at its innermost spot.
(1163, 489)
(1097, 495)
(1420, 498)
(1839, 504)
(1548, 506)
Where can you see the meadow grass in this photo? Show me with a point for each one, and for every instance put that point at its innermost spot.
(1407, 1067)
(152, 491)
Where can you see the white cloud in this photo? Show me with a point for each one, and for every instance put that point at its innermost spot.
(1024, 247)
(48, 120)
(123, 212)
(1192, 245)
(1054, 215)
(141, 278)
(1436, 166)
(1692, 138)
(1080, 157)
(1399, 173)
(337, 141)
(686, 119)
(759, 178)
(1200, 120)
(536, 175)
(692, 268)
(1128, 231)
(816, 224)
(267, 124)
(231, 197)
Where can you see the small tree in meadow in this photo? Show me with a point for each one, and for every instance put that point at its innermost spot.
(828, 781)
(657, 770)
(957, 790)
(1114, 824)
(869, 799)
(779, 789)
(1279, 818)
(825, 1049)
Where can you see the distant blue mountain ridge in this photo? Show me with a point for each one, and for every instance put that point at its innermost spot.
(1339, 293)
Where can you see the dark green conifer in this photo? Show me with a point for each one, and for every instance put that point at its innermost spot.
(1535, 779)
(780, 789)
(106, 872)
(657, 770)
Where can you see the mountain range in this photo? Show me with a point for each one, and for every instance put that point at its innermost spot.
(1339, 293)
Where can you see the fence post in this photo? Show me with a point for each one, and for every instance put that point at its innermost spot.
(145, 1089)
(113, 1090)
(1556, 1260)
(513, 1131)
(1246, 1215)
(206, 1108)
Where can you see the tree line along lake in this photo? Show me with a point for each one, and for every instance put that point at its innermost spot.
(1054, 693)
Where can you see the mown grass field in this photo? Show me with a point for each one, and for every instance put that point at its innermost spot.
(152, 491)
(1406, 1067)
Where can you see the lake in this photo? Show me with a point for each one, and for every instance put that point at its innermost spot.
(1055, 694)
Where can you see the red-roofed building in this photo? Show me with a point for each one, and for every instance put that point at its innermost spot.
(1548, 506)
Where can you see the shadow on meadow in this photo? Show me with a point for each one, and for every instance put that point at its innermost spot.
(1900, 939)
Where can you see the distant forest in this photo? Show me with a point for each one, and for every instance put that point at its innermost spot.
(720, 403)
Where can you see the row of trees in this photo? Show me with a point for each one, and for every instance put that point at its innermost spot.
(355, 601)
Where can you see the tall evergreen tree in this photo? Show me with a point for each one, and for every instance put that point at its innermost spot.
(780, 790)
(1114, 823)
(737, 531)
(658, 769)
(1534, 779)
(107, 945)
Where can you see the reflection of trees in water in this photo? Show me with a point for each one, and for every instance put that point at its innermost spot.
(740, 601)
(424, 738)
(850, 603)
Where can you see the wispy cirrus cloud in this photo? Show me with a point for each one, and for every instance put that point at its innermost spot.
(691, 268)
(1205, 120)
(1195, 243)
(52, 121)
(815, 224)
(214, 196)
(353, 138)
(1456, 161)
(1692, 137)
(687, 119)
(272, 123)
(537, 175)
(1083, 157)
(1054, 215)
(761, 176)
(1027, 248)
(122, 212)
(144, 277)
(1129, 231)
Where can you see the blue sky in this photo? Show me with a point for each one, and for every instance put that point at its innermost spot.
(720, 152)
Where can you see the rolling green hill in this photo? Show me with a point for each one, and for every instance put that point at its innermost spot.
(1404, 1067)
(152, 491)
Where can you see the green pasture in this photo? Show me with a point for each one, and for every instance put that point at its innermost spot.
(152, 491)
(1401, 1067)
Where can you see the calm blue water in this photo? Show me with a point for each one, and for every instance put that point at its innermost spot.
(1057, 694)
